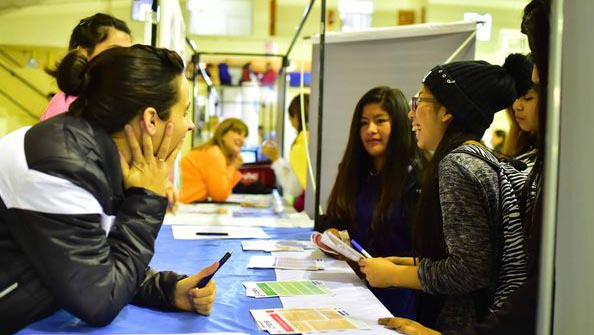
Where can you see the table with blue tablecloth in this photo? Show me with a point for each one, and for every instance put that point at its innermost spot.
(231, 308)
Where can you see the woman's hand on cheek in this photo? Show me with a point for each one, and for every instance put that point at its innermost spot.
(145, 169)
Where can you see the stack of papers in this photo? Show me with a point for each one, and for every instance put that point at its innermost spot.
(336, 245)
(213, 216)
(251, 200)
(276, 245)
(216, 232)
(285, 288)
(305, 320)
(287, 263)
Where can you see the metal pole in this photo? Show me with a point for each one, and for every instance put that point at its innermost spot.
(196, 61)
(241, 54)
(155, 9)
(320, 112)
(544, 314)
(305, 15)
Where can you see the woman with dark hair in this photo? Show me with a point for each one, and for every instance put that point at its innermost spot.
(375, 191)
(453, 235)
(93, 35)
(292, 175)
(523, 114)
(82, 194)
(216, 179)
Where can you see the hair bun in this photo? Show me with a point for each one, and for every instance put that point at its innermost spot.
(520, 68)
(72, 75)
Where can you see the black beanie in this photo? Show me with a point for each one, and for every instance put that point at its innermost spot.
(472, 91)
(520, 67)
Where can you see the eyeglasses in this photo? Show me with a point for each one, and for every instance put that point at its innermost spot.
(414, 101)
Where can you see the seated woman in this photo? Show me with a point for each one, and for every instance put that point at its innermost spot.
(292, 175)
(375, 192)
(210, 171)
(521, 142)
(82, 194)
(460, 199)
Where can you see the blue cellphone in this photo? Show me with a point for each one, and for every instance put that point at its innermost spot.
(222, 261)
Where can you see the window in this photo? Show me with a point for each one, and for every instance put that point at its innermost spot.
(221, 17)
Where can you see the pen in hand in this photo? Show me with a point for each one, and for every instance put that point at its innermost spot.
(360, 249)
(222, 261)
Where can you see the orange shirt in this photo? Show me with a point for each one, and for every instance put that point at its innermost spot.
(205, 174)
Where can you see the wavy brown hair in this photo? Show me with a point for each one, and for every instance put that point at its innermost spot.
(230, 124)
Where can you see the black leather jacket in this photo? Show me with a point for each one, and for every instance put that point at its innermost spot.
(70, 237)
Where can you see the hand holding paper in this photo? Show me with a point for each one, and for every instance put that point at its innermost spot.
(336, 245)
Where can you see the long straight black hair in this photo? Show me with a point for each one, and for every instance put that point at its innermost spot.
(427, 232)
(536, 25)
(357, 164)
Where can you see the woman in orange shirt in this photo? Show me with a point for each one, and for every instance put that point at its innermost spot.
(211, 169)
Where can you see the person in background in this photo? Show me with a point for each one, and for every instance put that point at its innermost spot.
(80, 231)
(459, 200)
(93, 35)
(224, 75)
(211, 170)
(523, 114)
(269, 76)
(374, 196)
(497, 140)
(292, 175)
(247, 74)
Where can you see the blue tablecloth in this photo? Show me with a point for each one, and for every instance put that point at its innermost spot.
(231, 308)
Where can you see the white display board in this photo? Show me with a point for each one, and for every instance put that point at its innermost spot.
(568, 231)
(358, 61)
(172, 29)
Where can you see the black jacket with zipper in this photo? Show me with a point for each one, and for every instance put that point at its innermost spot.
(70, 236)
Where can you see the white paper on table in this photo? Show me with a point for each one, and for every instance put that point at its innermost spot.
(206, 208)
(287, 263)
(192, 232)
(302, 320)
(276, 245)
(258, 200)
(350, 292)
(285, 288)
(189, 218)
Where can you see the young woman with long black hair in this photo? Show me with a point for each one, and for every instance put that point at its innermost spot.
(375, 192)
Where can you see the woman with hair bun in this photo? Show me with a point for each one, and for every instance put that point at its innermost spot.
(82, 194)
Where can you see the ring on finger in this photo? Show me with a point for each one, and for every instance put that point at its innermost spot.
(161, 159)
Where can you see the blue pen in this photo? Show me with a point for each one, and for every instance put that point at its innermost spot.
(360, 249)
(222, 261)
